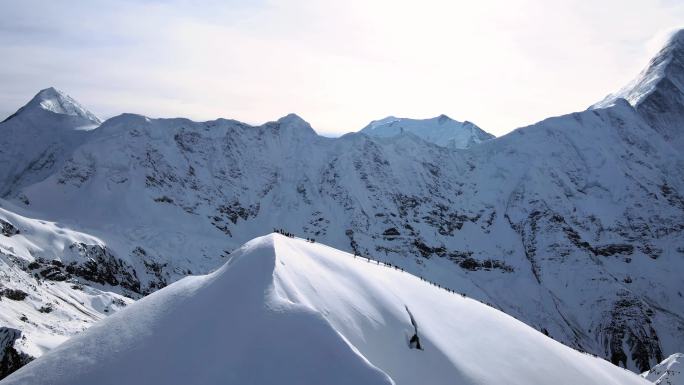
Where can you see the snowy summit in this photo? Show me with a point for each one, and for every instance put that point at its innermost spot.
(441, 130)
(57, 102)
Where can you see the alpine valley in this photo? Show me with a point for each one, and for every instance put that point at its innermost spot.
(573, 226)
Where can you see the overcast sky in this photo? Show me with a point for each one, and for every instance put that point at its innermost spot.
(338, 64)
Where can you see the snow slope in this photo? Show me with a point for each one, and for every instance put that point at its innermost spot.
(441, 130)
(286, 311)
(668, 372)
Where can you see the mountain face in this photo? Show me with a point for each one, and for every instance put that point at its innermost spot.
(442, 131)
(286, 311)
(573, 225)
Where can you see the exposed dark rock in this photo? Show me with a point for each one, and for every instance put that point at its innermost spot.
(103, 267)
(613, 249)
(391, 233)
(46, 308)
(163, 199)
(14, 294)
(7, 229)
(10, 358)
(629, 325)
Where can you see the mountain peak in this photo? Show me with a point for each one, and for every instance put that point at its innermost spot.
(664, 70)
(55, 101)
(441, 130)
(292, 118)
(658, 92)
(294, 123)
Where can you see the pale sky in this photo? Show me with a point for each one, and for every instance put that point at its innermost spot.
(338, 64)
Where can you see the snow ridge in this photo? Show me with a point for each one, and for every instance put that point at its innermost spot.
(283, 310)
(668, 372)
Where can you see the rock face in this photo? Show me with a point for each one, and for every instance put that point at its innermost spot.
(574, 225)
(10, 358)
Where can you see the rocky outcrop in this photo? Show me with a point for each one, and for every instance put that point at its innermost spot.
(10, 358)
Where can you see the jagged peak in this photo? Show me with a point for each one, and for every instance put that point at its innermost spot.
(667, 64)
(55, 101)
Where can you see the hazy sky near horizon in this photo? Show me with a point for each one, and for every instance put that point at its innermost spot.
(501, 64)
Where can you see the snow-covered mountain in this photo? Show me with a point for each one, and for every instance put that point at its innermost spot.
(668, 372)
(286, 311)
(574, 225)
(441, 130)
(37, 139)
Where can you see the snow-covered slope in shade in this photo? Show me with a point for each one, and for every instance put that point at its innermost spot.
(668, 372)
(36, 139)
(658, 92)
(441, 130)
(44, 298)
(285, 311)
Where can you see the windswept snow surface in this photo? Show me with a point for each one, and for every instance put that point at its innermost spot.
(285, 311)
(441, 130)
(668, 372)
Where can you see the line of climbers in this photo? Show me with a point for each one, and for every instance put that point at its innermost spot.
(283, 232)
(377, 262)
(291, 235)
(395, 267)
